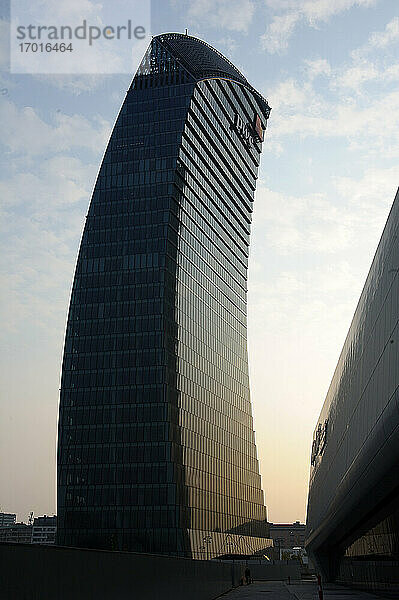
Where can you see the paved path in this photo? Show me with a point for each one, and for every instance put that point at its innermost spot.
(299, 590)
(309, 591)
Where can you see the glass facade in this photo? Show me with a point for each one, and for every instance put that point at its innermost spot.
(372, 560)
(156, 447)
(380, 542)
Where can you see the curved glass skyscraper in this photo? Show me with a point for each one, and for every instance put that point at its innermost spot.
(156, 446)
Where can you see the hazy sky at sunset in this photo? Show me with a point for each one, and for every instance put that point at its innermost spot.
(328, 176)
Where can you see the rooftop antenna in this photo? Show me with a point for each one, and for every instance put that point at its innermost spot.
(186, 31)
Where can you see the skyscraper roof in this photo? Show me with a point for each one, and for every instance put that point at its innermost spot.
(199, 57)
(202, 61)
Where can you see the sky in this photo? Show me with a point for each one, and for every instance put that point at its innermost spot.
(328, 176)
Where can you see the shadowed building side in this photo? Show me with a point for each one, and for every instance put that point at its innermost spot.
(353, 505)
(156, 444)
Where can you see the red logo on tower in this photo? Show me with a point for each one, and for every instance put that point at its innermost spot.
(258, 128)
(250, 133)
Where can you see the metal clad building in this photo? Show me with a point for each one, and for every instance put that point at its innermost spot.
(156, 443)
(7, 519)
(353, 505)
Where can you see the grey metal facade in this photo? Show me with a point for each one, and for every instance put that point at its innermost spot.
(60, 573)
(156, 443)
(353, 504)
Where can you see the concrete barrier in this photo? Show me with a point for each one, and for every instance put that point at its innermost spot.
(33, 572)
(279, 571)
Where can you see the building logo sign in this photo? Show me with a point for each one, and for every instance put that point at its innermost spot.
(250, 133)
(320, 440)
(258, 128)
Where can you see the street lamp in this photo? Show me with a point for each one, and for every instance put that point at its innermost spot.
(279, 540)
(208, 540)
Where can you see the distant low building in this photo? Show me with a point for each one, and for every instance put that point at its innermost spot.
(7, 519)
(44, 530)
(288, 535)
(19, 533)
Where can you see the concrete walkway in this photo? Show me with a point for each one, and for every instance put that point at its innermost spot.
(298, 590)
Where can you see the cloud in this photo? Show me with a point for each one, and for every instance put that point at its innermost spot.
(4, 44)
(302, 108)
(310, 254)
(322, 10)
(371, 193)
(74, 84)
(294, 225)
(59, 181)
(289, 93)
(378, 40)
(114, 55)
(22, 130)
(348, 82)
(381, 39)
(351, 122)
(317, 67)
(45, 192)
(356, 76)
(41, 220)
(325, 223)
(229, 44)
(364, 69)
(44, 196)
(51, 11)
(279, 31)
(233, 15)
(309, 258)
(276, 37)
